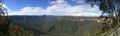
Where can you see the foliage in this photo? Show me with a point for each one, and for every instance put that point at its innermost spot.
(57, 25)
(107, 6)
(8, 28)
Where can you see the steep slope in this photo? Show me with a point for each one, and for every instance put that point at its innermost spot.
(8, 28)
(57, 25)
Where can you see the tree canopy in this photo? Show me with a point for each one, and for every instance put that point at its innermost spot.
(106, 5)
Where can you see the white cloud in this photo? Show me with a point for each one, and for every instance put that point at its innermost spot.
(79, 1)
(60, 1)
(87, 14)
(60, 7)
(29, 11)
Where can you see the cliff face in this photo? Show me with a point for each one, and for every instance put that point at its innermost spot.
(57, 25)
(8, 28)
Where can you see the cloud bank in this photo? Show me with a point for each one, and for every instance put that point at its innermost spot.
(61, 8)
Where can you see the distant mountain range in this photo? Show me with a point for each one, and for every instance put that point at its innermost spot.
(56, 25)
(48, 17)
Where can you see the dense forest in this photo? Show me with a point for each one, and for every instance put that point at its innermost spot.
(57, 25)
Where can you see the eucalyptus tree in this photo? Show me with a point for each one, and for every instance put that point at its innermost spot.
(109, 7)
(112, 7)
(3, 9)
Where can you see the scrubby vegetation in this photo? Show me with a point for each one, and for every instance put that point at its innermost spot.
(58, 25)
(8, 28)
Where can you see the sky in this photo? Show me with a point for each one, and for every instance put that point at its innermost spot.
(51, 7)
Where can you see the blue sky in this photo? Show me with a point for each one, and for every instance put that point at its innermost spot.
(51, 7)
(19, 4)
